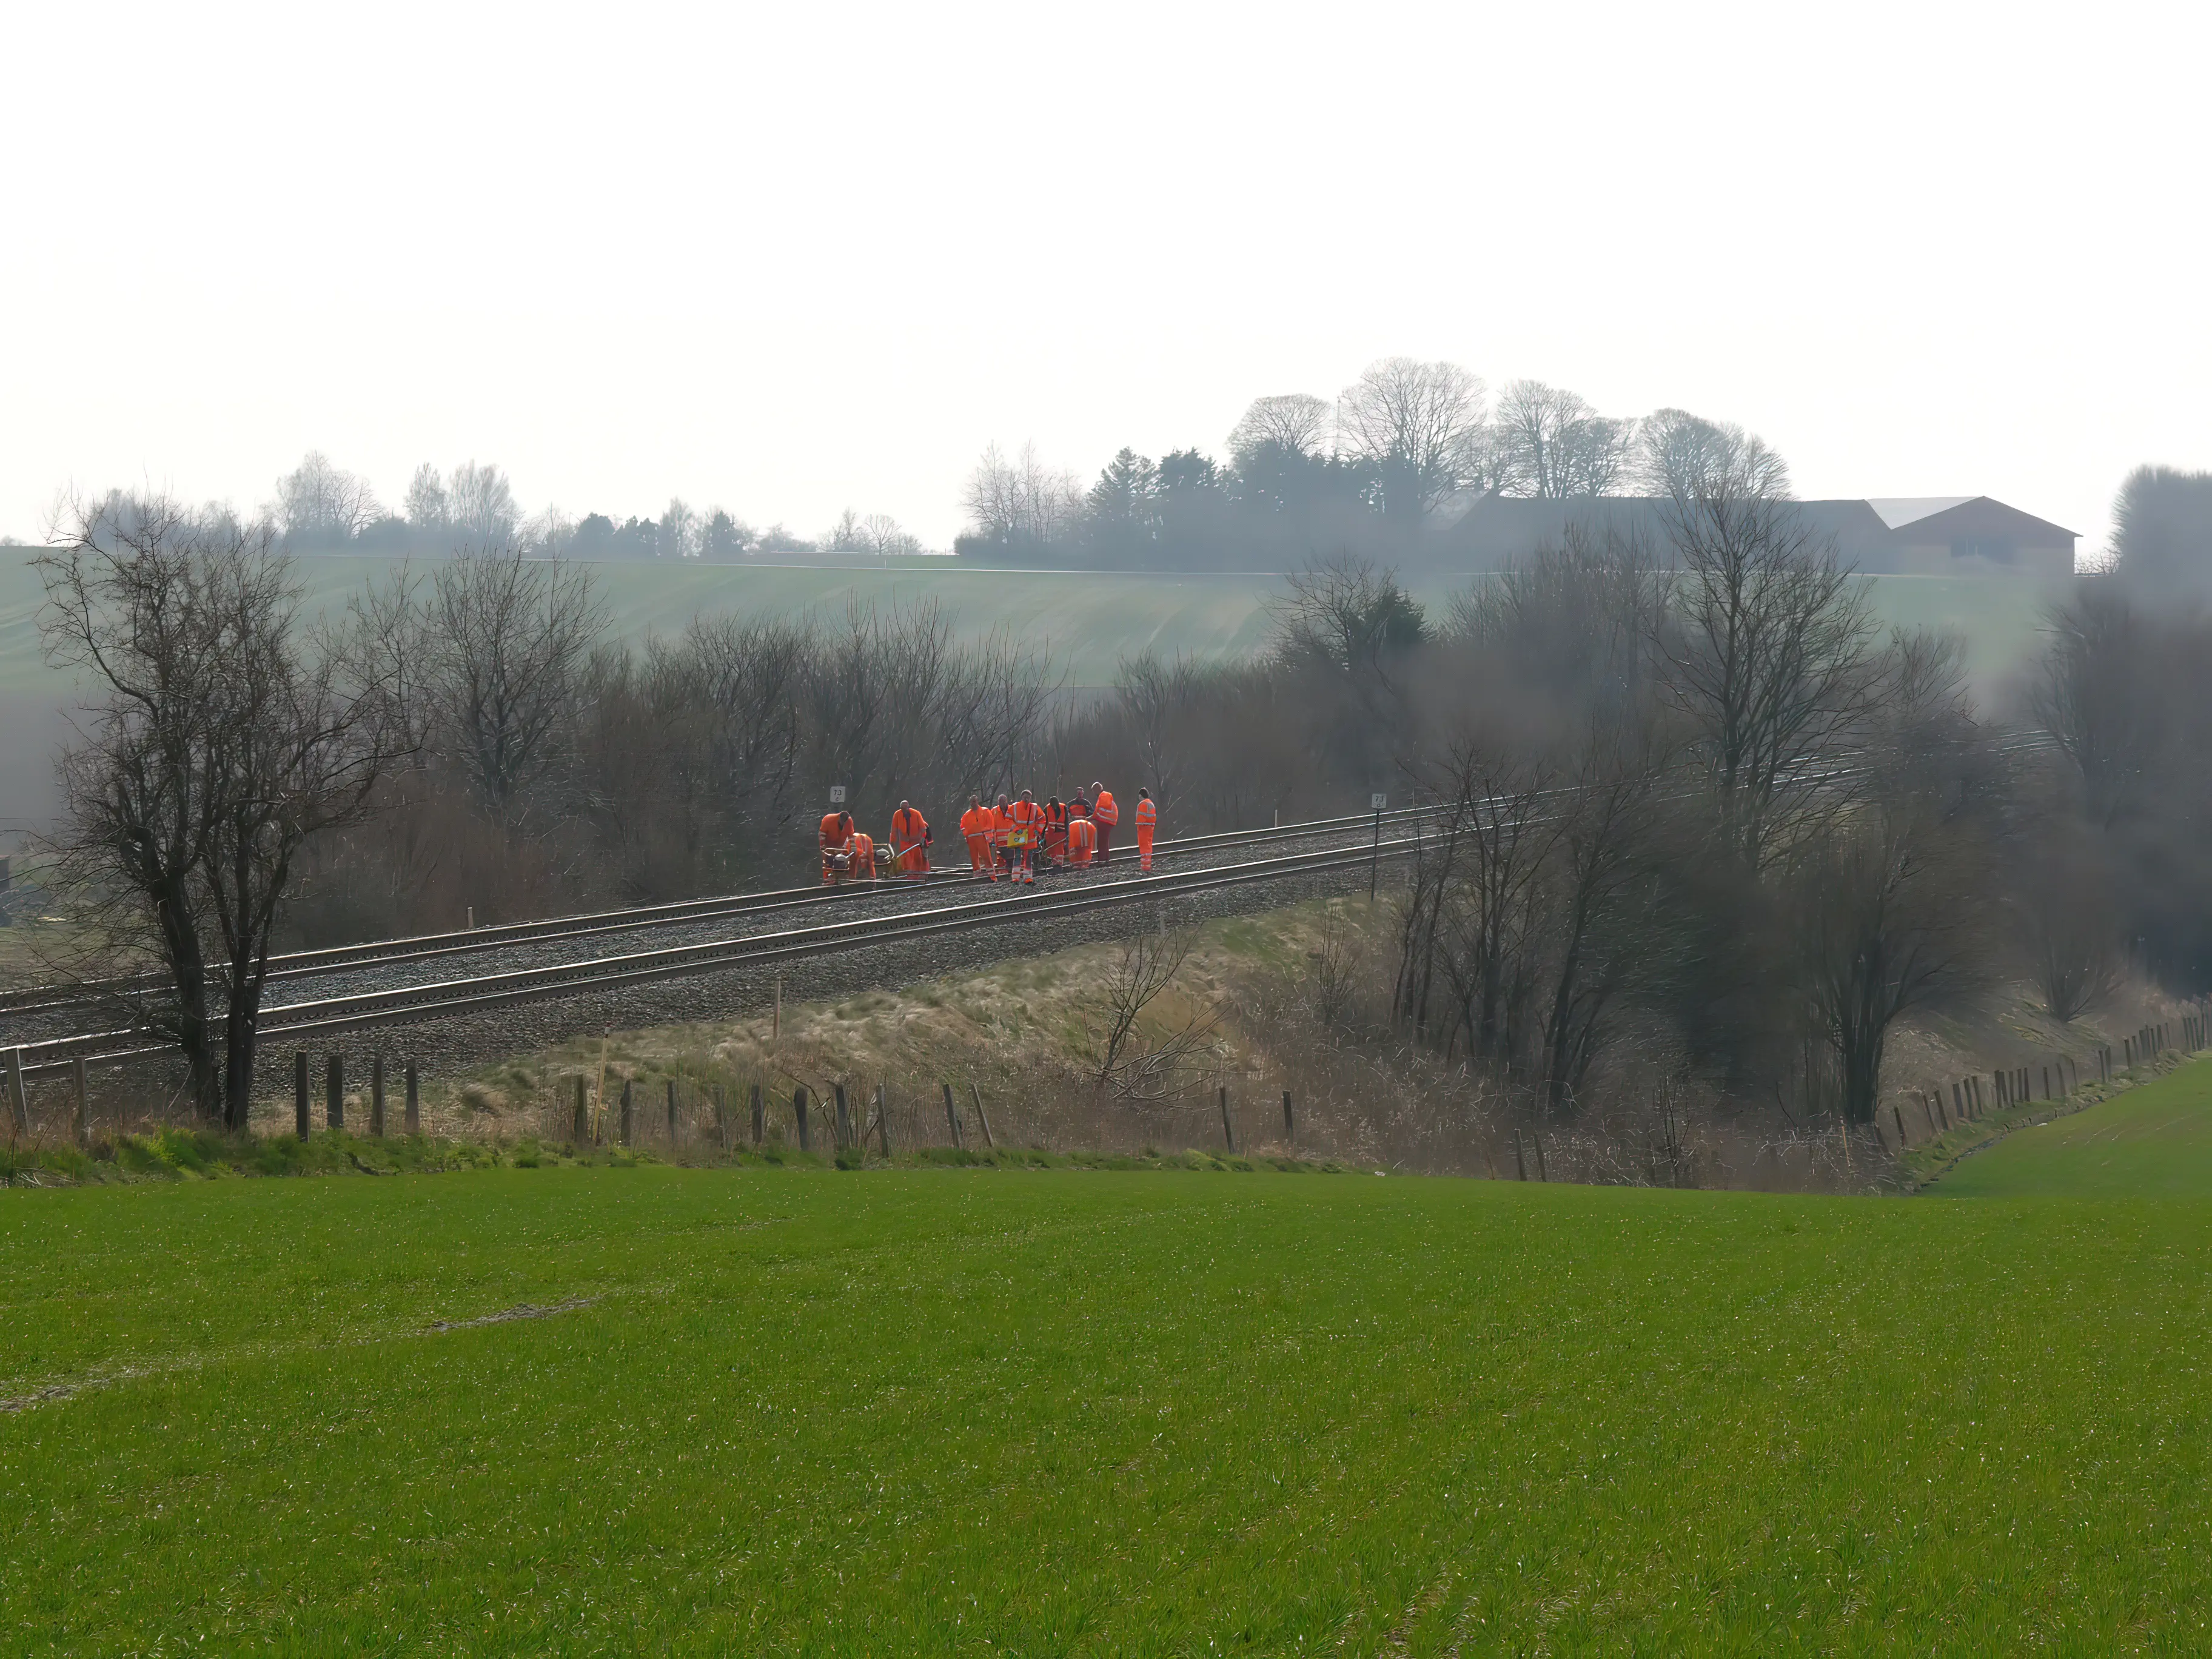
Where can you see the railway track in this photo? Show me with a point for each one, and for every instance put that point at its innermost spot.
(338, 959)
(1358, 838)
(983, 906)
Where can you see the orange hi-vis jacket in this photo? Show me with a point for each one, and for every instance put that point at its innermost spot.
(909, 830)
(1105, 811)
(1148, 815)
(978, 821)
(863, 856)
(1002, 824)
(1026, 824)
(1082, 840)
(833, 831)
(1055, 827)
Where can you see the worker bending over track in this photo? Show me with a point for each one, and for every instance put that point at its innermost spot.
(1081, 842)
(910, 841)
(837, 847)
(862, 867)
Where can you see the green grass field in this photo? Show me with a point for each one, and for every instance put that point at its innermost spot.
(2152, 1141)
(917, 1412)
(1088, 620)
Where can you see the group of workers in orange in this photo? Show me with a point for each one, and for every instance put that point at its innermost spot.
(1016, 838)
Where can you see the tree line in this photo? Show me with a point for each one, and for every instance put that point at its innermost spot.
(321, 508)
(1367, 472)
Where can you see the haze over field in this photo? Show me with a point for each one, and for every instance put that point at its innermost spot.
(797, 262)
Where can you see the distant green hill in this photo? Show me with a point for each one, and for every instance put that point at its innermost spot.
(1088, 620)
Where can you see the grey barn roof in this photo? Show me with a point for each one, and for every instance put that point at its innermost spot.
(1871, 535)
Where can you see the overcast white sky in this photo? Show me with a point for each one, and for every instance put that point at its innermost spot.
(791, 259)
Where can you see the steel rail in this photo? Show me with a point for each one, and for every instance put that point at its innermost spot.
(439, 999)
(332, 959)
(56, 1052)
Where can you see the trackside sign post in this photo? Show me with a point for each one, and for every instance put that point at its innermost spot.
(1374, 854)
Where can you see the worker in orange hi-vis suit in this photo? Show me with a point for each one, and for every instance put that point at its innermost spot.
(976, 823)
(863, 856)
(1105, 815)
(836, 836)
(1022, 840)
(1082, 841)
(1002, 826)
(1148, 818)
(1055, 832)
(910, 840)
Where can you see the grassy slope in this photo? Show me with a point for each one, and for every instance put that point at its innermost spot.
(2152, 1141)
(1056, 1414)
(1089, 620)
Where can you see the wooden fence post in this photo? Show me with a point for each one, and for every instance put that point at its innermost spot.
(843, 1132)
(334, 1091)
(671, 1114)
(990, 1141)
(1520, 1163)
(623, 1129)
(1897, 1112)
(19, 1109)
(884, 1118)
(952, 1117)
(376, 1094)
(580, 1130)
(415, 1100)
(799, 1111)
(1290, 1136)
(299, 1090)
(84, 1100)
(722, 1117)
(1542, 1174)
(760, 1117)
(1228, 1130)
(1929, 1111)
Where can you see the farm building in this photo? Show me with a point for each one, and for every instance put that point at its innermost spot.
(1921, 536)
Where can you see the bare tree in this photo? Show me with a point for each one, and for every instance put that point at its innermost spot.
(1768, 652)
(483, 506)
(225, 738)
(1022, 501)
(1887, 918)
(1296, 423)
(1120, 1057)
(2066, 928)
(1551, 444)
(2100, 693)
(680, 530)
(429, 506)
(1679, 455)
(507, 637)
(1159, 699)
(1577, 618)
(882, 535)
(1411, 421)
(317, 502)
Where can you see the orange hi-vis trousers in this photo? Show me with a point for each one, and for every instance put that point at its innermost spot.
(981, 858)
(1143, 846)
